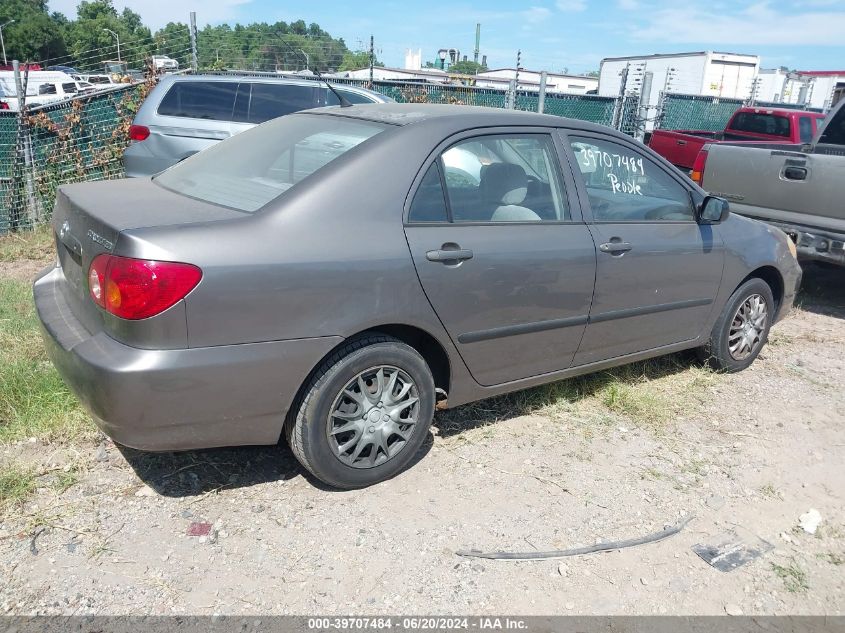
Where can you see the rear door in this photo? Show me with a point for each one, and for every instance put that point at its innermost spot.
(502, 252)
(191, 116)
(657, 271)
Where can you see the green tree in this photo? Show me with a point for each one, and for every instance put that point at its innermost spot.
(467, 68)
(34, 35)
(357, 60)
(90, 41)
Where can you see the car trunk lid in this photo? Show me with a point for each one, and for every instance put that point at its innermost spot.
(88, 219)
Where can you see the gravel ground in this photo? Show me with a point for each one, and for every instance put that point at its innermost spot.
(747, 453)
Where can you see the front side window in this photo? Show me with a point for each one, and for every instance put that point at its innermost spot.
(351, 97)
(211, 100)
(625, 186)
(248, 170)
(504, 178)
(69, 87)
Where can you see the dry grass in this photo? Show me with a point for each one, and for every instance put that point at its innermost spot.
(651, 394)
(36, 244)
(16, 484)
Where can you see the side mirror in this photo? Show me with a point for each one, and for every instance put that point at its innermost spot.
(713, 210)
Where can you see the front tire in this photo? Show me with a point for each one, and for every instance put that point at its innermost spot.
(364, 413)
(742, 328)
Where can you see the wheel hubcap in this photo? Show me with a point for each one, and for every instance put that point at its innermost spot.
(747, 327)
(373, 417)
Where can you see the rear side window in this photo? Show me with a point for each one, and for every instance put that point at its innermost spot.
(47, 89)
(69, 87)
(761, 123)
(805, 129)
(268, 101)
(429, 203)
(212, 100)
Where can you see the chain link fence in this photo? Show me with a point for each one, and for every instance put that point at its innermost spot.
(695, 112)
(84, 138)
(69, 141)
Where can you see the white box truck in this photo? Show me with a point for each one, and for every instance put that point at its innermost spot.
(728, 75)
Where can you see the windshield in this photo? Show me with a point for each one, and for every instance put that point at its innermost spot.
(249, 170)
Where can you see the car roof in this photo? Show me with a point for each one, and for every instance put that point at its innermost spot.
(266, 79)
(456, 116)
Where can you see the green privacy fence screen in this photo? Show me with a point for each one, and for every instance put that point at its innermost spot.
(695, 112)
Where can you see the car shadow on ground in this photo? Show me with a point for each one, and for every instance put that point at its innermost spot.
(191, 473)
(823, 290)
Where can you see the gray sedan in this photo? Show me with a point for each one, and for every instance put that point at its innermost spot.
(330, 276)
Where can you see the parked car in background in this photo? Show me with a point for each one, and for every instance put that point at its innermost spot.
(802, 192)
(42, 87)
(165, 63)
(70, 70)
(185, 114)
(100, 80)
(326, 275)
(787, 129)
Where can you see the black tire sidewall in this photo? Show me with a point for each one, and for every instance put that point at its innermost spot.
(322, 461)
(720, 355)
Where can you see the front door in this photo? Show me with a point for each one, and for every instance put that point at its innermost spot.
(658, 271)
(505, 260)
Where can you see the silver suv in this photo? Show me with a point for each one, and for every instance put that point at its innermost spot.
(184, 114)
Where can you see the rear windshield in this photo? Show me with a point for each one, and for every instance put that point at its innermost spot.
(249, 170)
(761, 123)
(834, 131)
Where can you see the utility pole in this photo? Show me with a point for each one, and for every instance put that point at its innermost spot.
(194, 63)
(2, 43)
(541, 101)
(477, 42)
(25, 146)
(117, 37)
(372, 60)
(518, 62)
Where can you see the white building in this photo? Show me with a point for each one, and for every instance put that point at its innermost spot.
(728, 75)
(530, 80)
(397, 74)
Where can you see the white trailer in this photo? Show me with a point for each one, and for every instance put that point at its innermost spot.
(728, 75)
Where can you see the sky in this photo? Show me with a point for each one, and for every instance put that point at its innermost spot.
(552, 34)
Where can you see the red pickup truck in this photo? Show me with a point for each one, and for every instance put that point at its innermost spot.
(765, 126)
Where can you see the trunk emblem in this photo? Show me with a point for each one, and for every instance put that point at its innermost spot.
(65, 229)
(99, 239)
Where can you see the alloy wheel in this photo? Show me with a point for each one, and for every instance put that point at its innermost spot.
(747, 327)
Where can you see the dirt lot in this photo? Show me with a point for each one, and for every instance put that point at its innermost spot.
(103, 530)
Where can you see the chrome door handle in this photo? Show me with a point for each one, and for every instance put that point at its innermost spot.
(615, 248)
(442, 255)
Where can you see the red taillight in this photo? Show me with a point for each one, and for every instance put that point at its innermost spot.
(139, 132)
(698, 165)
(4, 105)
(139, 288)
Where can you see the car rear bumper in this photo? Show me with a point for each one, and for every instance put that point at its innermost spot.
(181, 399)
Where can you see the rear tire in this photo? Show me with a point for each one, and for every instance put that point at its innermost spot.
(364, 413)
(742, 328)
